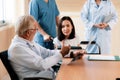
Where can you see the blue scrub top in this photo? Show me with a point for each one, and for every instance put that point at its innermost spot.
(45, 14)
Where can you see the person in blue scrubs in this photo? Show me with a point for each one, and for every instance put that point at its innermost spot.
(99, 17)
(47, 15)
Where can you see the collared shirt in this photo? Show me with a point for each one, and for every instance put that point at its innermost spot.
(30, 59)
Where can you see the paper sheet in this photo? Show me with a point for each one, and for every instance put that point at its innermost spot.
(100, 57)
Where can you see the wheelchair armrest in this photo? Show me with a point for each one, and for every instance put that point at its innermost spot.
(37, 78)
(72, 47)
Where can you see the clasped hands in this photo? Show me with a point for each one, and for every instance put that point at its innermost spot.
(101, 25)
(47, 38)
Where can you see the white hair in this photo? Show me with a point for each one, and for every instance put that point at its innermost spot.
(23, 24)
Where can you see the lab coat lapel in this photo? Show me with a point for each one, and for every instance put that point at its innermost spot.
(101, 6)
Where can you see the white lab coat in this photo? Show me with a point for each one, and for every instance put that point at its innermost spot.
(92, 14)
(31, 60)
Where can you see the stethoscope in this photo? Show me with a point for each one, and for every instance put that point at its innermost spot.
(30, 46)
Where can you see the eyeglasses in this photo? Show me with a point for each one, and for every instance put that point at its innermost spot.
(33, 29)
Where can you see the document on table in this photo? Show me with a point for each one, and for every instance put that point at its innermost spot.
(104, 58)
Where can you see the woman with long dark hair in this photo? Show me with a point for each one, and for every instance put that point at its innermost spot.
(66, 33)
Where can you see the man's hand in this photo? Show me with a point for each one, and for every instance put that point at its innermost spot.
(97, 25)
(47, 38)
(104, 25)
(64, 49)
(79, 52)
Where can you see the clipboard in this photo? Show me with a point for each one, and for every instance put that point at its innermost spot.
(107, 18)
